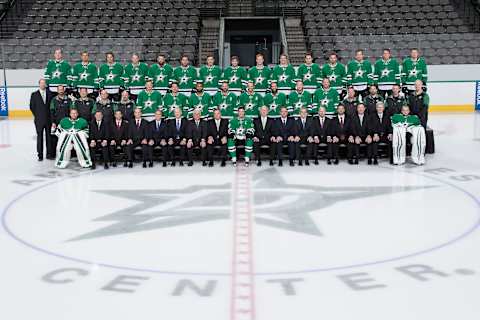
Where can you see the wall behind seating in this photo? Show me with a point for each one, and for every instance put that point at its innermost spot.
(451, 88)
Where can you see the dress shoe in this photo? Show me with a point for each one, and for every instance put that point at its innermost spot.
(181, 163)
(114, 164)
(223, 164)
(350, 161)
(105, 166)
(292, 164)
(144, 165)
(190, 163)
(271, 163)
(316, 162)
(164, 164)
(125, 164)
(355, 161)
(93, 167)
(40, 158)
(329, 162)
(172, 164)
(369, 162)
(150, 165)
(204, 163)
(130, 164)
(300, 163)
(335, 162)
(375, 161)
(210, 164)
(280, 163)
(259, 163)
(307, 163)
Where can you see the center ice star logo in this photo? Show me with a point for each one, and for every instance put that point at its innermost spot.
(276, 204)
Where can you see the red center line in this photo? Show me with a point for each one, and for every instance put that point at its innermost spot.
(242, 304)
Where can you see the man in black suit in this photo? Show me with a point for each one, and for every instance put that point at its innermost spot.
(217, 135)
(158, 136)
(197, 137)
(119, 136)
(381, 131)
(360, 133)
(285, 132)
(177, 136)
(303, 137)
(264, 135)
(341, 132)
(138, 135)
(321, 133)
(40, 107)
(99, 137)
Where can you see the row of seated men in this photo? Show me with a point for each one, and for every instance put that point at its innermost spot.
(302, 136)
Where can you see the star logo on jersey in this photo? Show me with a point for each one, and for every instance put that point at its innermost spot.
(386, 72)
(173, 107)
(110, 76)
(160, 77)
(249, 106)
(333, 77)
(148, 103)
(277, 204)
(273, 107)
(282, 78)
(223, 106)
(209, 79)
(184, 79)
(359, 73)
(259, 79)
(233, 79)
(84, 75)
(298, 105)
(324, 102)
(307, 76)
(413, 72)
(199, 107)
(56, 74)
(136, 77)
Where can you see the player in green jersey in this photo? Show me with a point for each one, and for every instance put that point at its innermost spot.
(58, 72)
(225, 101)
(387, 73)
(210, 75)
(260, 75)
(110, 76)
(240, 130)
(85, 74)
(284, 75)
(402, 124)
(310, 73)
(161, 74)
(185, 75)
(236, 76)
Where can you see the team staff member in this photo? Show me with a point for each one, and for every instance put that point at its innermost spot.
(119, 137)
(40, 107)
(99, 135)
(138, 135)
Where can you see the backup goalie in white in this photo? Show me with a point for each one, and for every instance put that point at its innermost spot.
(402, 124)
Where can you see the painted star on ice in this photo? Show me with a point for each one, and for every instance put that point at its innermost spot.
(359, 73)
(84, 75)
(277, 204)
(56, 73)
(259, 80)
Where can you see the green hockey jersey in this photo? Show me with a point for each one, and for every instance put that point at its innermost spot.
(251, 103)
(387, 73)
(149, 102)
(134, 77)
(110, 77)
(275, 103)
(401, 120)
(260, 77)
(236, 77)
(325, 98)
(203, 103)
(210, 77)
(337, 74)
(297, 101)
(284, 76)
(185, 78)
(160, 75)
(240, 128)
(311, 75)
(57, 73)
(76, 125)
(413, 71)
(227, 104)
(85, 76)
(170, 102)
(359, 74)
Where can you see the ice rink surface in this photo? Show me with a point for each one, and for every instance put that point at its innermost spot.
(305, 243)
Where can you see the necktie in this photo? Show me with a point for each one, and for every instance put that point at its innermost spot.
(196, 122)
(284, 122)
(178, 125)
(263, 123)
(341, 121)
(98, 124)
(138, 123)
(118, 124)
(43, 96)
(218, 125)
(321, 122)
(361, 121)
(380, 116)
(303, 123)
(158, 125)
